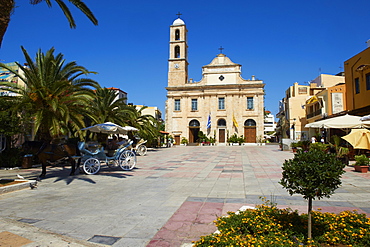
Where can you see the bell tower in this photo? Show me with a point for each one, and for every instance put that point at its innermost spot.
(178, 60)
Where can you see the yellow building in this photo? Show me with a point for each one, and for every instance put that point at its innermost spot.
(150, 110)
(292, 115)
(323, 97)
(328, 97)
(357, 73)
(221, 104)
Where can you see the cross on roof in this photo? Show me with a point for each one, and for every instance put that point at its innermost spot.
(221, 49)
(178, 14)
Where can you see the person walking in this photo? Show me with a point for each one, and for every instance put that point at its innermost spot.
(313, 139)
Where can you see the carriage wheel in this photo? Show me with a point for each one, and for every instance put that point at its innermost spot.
(127, 160)
(141, 150)
(91, 166)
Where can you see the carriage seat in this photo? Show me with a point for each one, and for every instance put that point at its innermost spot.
(125, 145)
(82, 148)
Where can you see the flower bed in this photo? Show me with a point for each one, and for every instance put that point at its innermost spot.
(269, 226)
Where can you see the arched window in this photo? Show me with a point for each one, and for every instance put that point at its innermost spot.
(221, 123)
(177, 34)
(250, 122)
(177, 51)
(194, 123)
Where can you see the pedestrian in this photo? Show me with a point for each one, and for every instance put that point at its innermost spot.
(313, 139)
(322, 140)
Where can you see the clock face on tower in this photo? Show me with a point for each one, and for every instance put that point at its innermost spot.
(176, 65)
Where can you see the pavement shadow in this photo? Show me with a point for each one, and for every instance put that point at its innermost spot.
(63, 174)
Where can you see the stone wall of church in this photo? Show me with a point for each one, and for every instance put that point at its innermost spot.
(177, 122)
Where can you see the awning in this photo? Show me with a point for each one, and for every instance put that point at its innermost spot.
(340, 122)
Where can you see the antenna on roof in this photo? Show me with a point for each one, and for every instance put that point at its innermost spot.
(341, 68)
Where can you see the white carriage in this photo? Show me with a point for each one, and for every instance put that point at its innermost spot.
(93, 156)
(92, 160)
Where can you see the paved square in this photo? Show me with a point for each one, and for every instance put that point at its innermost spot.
(171, 198)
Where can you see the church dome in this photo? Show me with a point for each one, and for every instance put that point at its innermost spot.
(178, 22)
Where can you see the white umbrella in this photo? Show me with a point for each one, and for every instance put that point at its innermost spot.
(340, 122)
(129, 128)
(110, 128)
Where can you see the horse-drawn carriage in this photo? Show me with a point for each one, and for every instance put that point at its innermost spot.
(47, 153)
(123, 156)
(92, 159)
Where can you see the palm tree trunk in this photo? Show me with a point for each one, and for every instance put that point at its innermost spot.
(309, 234)
(6, 9)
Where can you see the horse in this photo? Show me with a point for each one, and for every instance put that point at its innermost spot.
(47, 153)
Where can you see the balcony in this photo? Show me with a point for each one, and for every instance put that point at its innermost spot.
(313, 114)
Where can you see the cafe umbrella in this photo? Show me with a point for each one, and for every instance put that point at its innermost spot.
(358, 138)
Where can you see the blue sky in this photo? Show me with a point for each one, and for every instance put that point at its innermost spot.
(280, 42)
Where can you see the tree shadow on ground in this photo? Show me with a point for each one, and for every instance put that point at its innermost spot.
(62, 174)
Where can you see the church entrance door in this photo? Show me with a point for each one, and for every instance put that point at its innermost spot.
(193, 134)
(177, 140)
(250, 131)
(221, 135)
(250, 134)
(194, 127)
(221, 124)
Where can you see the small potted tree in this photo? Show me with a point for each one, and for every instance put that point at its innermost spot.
(212, 140)
(362, 163)
(342, 154)
(314, 174)
(241, 140)
(233, 140)
(184, 141)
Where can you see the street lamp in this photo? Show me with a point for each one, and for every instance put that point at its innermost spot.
(293, 127)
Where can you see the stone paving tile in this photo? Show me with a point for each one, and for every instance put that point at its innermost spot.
(172, 197)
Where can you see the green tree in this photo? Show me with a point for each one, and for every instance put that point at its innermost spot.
(105, 107)
(54, 94)
(313, 174)
(147, 125)
(7, 8)
(10, 124)
(11, 127)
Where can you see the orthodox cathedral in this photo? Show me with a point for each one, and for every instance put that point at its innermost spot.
(220, 105)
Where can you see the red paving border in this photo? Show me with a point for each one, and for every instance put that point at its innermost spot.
(189, 222)
(195, 219)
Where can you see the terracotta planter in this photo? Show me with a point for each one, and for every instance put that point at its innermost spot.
(27, 161)
(362, 169)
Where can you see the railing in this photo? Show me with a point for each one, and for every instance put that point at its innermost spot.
(315, 113)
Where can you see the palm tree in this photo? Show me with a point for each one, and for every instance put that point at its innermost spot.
(105, 107)
(54, 94)
(148, 126)
(7, 8)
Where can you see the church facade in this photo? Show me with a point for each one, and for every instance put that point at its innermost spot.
(220, 105)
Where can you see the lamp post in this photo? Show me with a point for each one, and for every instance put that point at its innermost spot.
(293, 127)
